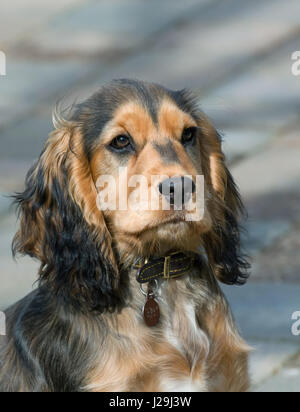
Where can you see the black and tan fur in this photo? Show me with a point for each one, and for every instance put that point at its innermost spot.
(82, 329)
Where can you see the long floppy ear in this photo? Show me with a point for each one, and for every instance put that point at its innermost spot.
(222, 243)
(63, 228)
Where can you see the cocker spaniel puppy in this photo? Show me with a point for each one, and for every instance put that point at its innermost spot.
(128, 297)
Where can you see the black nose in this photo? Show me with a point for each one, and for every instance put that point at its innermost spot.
(177, 190)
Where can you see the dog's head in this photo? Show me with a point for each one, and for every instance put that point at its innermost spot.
(142, 147)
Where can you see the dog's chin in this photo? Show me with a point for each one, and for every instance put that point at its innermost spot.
(159, 233)
(174, 234)
(175, 230)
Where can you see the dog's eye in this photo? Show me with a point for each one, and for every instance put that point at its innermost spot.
(120, 142)
(188, 135)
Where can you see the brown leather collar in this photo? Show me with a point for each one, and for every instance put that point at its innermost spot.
(169, 267)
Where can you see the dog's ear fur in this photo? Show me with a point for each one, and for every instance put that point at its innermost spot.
(222, 243)
(62, 227)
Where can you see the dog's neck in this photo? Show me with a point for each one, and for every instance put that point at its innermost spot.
(174, 265)
(129, 255)
(160, 265)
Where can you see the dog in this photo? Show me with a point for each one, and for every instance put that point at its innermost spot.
(128, 300)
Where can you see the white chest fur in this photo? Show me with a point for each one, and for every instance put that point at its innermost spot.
(183, 333)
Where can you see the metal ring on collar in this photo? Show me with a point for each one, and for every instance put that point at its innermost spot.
(154, 290)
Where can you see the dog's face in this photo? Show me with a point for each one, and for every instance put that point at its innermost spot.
(150, 137)
(142, 136)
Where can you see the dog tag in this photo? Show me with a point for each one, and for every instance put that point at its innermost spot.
(151, 310)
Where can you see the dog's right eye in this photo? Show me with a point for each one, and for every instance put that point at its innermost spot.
(120, 142)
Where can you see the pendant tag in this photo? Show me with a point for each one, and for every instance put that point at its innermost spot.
(151, 310)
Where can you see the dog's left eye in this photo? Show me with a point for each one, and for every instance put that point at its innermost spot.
(188, 135)
(120, 142)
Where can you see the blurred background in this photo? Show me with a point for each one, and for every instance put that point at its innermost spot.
(238, 55)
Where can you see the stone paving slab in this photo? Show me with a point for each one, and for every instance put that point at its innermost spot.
(264, 311)
(272, 170)
(106, 25)
(200, 54)
(286, 380)
(260, 234)
(268, 358)
(27, 17)
(264, 315)
(16, 278)
(4, 204)
(12, 178)
(280, 262)
(29, 83)
(240, 143)
(269, 184)
(23, 142)
(265, 96)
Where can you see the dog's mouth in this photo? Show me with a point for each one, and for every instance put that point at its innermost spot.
(172, 220)
(139, 224)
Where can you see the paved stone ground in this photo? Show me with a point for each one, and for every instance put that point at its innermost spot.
(237, 54)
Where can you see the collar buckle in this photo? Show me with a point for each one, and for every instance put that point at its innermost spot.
(167, 263)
